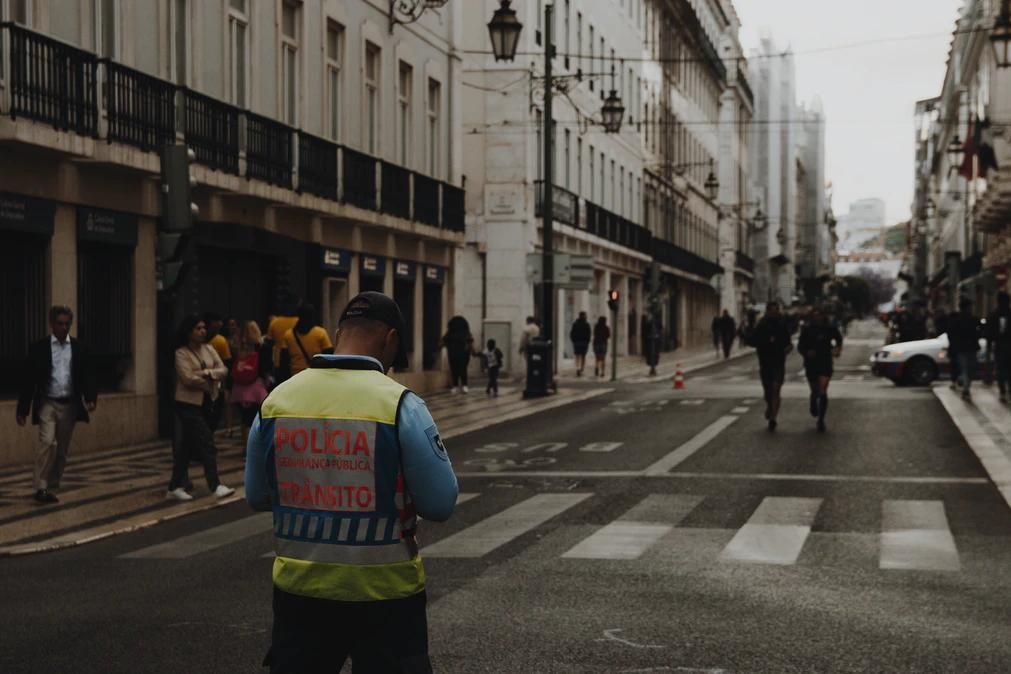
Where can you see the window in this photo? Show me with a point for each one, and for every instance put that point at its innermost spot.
(334, 61)
(621, 192)
(178, 41)
(579, 166)
(566, 45)
(105, 302)
(370, 130)
(579, 40)
(290, 20)
(406, 84)
(539, 119)
(21, 12)
(105, 27)
(603, 184)
(593, 62)
(434, 122)
(238, 51)
(566, 159)
(593, 176)
(23, 302)
(540, 28)
(614, 194)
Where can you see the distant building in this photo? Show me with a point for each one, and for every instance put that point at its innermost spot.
(864, 222)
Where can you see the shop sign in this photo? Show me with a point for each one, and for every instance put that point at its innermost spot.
(435, 275)
(336, 260)
(404, 269)
(26, 214)
(110, 227)
(372, 265)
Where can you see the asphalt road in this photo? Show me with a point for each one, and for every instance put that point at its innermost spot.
(644, 530)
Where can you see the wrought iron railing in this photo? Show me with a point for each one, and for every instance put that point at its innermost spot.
(317, 166)
(141, 110)
(359, 179)
(744, 262)
(212, 131)
(52, 82)
(268, 150)
(396, 191)
(454, 208)
(426, 200)
(675, 256)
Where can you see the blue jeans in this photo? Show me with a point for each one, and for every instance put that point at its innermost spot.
(966, 366)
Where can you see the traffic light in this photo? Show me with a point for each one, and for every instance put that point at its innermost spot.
(178, 212)
(612, 299)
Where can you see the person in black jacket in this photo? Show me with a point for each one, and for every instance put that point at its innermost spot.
(772, 341)
(58, 389)
(963, 343)
(820, 343)
(998, 337)
(581, 334)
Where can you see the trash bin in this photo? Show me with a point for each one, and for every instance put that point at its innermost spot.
(538, 369)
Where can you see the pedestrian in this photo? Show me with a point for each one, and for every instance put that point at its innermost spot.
(601, 336)
(58, 390)
(715, 328)
(963, 342)
(820, 343)
(493, 362)
(249, 372)
(459, 343)
(199, 373)
(219, 342)
(728, 331)
(998, 337)
(531, 331)
(303, 341)
(277, 325)
(772, 341)
(581, 335)
(348, 580)
(650, 342)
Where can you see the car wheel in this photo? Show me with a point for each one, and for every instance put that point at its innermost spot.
(921, 371)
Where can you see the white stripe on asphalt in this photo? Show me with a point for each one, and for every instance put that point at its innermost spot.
(464, 497)
(915, 536)
(637, 530)
(204, 541)
(704, 437)
(497, 530)
(739, 410)
(775, 532)
(601, 447)
(692, 402)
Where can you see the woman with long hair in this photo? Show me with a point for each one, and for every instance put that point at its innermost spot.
(199, 373)
(250, 366)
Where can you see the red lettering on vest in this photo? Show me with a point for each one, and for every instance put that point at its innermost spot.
(361, 444)
(281, 436)
(364, 497)
(299, 440)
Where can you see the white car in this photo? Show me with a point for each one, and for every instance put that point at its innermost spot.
(917, 363)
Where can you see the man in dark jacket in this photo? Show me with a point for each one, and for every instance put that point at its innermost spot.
(58, 388)
(728, 331)
(772, 342)
(998, 337)
(581, 334)
(963, 343)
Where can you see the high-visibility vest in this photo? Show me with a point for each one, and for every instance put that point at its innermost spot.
(343, 521)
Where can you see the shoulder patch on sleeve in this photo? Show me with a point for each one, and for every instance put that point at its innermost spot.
(434, 439)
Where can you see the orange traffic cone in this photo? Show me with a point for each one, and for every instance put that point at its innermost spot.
(679, 379)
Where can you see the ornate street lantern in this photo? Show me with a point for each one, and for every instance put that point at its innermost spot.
(954, 151)
(712, 186)
(504, 30)
(781, 237)
(1000, 36)
(612, 113)
(761, 221)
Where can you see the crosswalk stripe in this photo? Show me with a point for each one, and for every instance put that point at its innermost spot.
(464, 497)
(499, 529)
(206, 540)
(775, 532)
(682, 453)
(637, 530)
(739, 410)
(915, 536)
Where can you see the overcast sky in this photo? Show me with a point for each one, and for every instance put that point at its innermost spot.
(868, 90)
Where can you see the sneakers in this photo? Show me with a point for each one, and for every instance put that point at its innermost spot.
(966, 395)
(821, 426)
(465, 389)
(222, 491)
(455, 390)
(814, 406)
(772, 425)
(45, 496)
(178, 494)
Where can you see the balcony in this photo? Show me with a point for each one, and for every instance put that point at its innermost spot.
(51, 81)
(675, 256)
(56, 83)
(744, 262)
(617, 229)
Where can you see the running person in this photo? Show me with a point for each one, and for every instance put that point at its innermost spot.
(820, 342)
(772, 342)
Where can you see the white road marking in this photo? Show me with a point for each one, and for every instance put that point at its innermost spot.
(612, 635)
(703, 438)
(739, 410)
(694, 403)
(601, 447)
(915, 536)
(206, 540)
(497, 530)
(637, 530)
(775, 532)
(464, 497)
(996, 461)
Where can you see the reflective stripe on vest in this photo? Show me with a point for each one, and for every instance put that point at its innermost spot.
(343, 521)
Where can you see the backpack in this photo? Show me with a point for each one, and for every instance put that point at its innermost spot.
(246, 368)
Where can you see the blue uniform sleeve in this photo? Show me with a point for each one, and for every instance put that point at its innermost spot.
(427, 470)
(259, 454)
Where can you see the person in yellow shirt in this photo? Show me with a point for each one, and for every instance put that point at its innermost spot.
(303, 341)
(276, 329)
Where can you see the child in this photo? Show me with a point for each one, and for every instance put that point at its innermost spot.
(493, 361)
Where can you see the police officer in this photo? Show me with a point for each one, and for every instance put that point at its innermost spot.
(348, 459)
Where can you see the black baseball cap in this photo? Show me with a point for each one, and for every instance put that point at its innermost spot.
(379, 307)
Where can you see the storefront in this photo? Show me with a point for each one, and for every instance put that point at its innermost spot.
(432, 324)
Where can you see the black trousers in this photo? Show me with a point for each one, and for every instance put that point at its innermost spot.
(316, 636)
(193, 438)
(493, 379)
(458, 367)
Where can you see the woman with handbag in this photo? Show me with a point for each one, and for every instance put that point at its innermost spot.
(250, 366)
(199, 373)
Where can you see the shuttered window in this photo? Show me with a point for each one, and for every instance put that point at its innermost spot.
(23, 303)
(105, 309)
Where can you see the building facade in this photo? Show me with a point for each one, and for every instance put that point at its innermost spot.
(328, 161)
